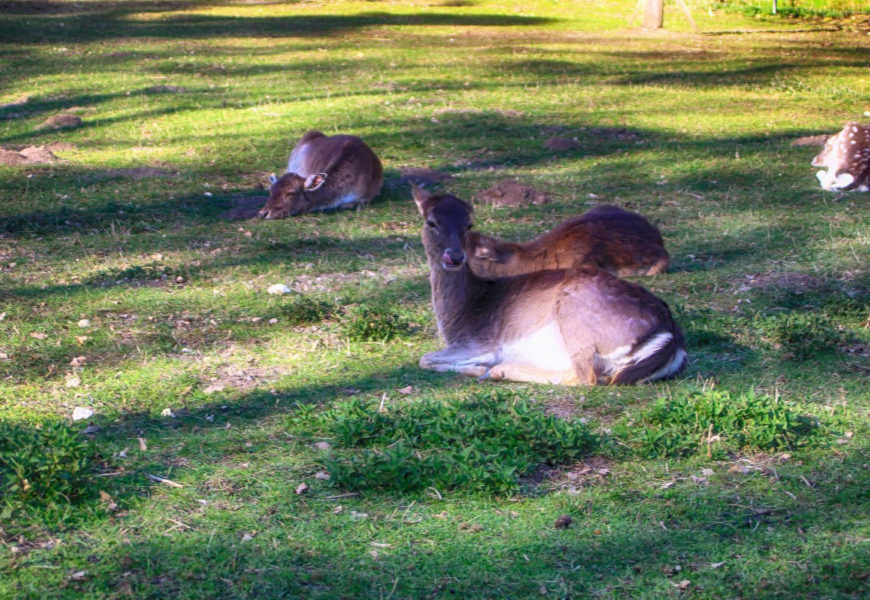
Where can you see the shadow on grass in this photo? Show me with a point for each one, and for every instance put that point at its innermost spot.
(116, 23)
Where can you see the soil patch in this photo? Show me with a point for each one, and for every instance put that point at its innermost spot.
(561, 144)
(612, 133)
(137, 173)
(165, 89)
(796, 282)
(511, 192)
(61, 121)
(810, 140)
(31, 155)
(245, 208)
(242, 378)
(424, 177)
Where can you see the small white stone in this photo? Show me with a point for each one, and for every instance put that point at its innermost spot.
(84, 323)
(167, 412)
(80, 413)
(279, 289)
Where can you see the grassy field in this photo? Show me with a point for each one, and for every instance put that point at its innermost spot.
(311, 457)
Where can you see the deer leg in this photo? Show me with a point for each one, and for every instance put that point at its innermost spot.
(458, 359)
(530, 374)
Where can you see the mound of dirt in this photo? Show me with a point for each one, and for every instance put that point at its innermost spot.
(245, 208)
(61, 121)
(511, 192)
(32, 155)
(424, 177)
(561, 144)
(810, 140)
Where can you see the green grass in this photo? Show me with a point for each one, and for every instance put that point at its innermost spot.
(745, 477)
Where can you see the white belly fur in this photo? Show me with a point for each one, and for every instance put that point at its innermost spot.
(340, 201)
(543, 348)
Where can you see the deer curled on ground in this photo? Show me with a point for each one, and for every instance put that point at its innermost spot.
(324, 173)
(614, 239)
(564, 326)
(847, 159)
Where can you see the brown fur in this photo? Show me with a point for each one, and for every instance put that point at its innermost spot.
(614, 239)
(576, 326)
(323, 173)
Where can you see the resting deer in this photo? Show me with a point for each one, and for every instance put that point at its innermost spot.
(847, 158)
(617, 240)
(575, 326)
(324, 173)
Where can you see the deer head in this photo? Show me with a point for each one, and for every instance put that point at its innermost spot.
(290, 195)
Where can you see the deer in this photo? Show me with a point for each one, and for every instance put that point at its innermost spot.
(324, 173)
(577, 326)
(846, 157)
(616, 240)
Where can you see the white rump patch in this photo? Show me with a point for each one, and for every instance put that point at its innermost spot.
(672, 367)
(543, 348)
(652, 346)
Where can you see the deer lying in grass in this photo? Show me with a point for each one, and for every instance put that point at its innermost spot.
(847, 158)
(324, 173)
(616, 240)
(575, 326)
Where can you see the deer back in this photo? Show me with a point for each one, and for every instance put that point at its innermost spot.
(614, 239)
(325, 172)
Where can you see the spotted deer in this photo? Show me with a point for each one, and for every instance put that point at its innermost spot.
(616, 240)
(847, 159)
(564, 326)
(324, 172)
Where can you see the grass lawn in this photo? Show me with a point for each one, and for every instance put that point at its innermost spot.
(308, 456)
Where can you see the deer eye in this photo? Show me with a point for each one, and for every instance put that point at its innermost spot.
(470, 225)
(432, 224)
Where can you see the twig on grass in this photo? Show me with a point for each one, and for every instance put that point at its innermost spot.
(166, 481)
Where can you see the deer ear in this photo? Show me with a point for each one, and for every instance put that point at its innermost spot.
(314, 182)
(272, 179)
(420, 196)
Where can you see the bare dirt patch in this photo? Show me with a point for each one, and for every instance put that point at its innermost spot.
(422, 176)
(562, 408)
(137, 173)
(31, 155)
(242, 378)
(810, 140)
(789, 280)
(165, 89)
(61, 121)
(561, 144)
(511, 192)
(245, 208)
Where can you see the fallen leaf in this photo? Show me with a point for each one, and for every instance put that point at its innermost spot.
(142, 445)
(81, 339)
(685, 583)
(73, 381)
(78, 361)
(407, 391)
(79, 576)
(84, 323)
(717, 565)
(108, 501)
(302, 488)
(321, 475)
(472, 527)
(38, 336)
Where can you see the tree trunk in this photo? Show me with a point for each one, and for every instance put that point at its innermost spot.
(654, 14)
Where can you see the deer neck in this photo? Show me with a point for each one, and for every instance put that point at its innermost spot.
(458, 301)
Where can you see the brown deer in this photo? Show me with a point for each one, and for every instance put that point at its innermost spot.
(847, 159)
(324, 173)
(616, 240)
(576, 326)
